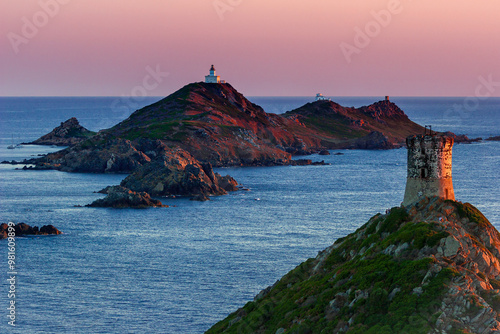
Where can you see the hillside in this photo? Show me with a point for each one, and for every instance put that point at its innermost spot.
(433, 267)
(333, 120)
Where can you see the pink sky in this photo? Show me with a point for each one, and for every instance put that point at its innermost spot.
(261, 47)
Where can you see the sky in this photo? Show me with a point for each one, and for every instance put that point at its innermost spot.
(261, 47)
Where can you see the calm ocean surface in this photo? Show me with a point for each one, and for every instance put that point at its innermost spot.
(183, 268)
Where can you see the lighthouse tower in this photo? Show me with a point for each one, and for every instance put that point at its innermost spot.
(429, 167)
(212, 78)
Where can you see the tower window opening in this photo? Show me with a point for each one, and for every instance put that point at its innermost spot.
(423, 173)
(423, 151)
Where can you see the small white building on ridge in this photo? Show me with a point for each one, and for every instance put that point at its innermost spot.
(320, 97)
(212, 78)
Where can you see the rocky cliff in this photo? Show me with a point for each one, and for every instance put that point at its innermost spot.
(68, 133)
(433, 267)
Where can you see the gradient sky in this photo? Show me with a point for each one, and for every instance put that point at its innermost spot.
(261, 47)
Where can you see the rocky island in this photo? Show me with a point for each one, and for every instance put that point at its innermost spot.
(174, 173)
(169, 147)
(216, 124)
(68, 133)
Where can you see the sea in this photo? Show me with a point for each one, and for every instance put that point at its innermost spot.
(183, 268)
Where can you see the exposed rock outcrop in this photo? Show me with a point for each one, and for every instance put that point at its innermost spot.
(461, 138)
(22, 229)
(120, 197)
(101, 154)
(433, 267)
(174, 173)
(178, 173)
(374, 140)
(495, 138)
(68, 133)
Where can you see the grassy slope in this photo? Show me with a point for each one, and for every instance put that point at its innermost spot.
(301, 301)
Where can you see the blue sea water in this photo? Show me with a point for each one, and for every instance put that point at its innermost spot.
(183, 268)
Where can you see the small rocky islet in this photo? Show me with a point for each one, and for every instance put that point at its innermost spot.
(22, 229)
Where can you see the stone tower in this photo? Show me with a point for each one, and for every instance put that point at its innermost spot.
(429, 167)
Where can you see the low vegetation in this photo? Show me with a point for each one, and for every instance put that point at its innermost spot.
(360, 283)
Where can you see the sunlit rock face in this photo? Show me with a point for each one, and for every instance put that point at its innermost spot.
(429, 168)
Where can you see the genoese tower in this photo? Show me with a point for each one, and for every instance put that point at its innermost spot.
(429, 167)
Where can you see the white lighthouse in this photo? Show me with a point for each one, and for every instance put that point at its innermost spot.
(212, 78)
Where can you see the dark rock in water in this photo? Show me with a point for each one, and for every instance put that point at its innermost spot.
(302, 162)
(120, 197)
(461, 138)
(200, 198)
(324, 152)
(496, 138)
(308, 162)
(227, 183)
(22, 229)
(68, 133)
(339, 153)
(49, 229)
(432, 267)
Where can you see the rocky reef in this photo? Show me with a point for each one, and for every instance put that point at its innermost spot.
(120, 197)
(22, 229)
(461, 139)
(68, 133)
(173, 173)
(432, 267)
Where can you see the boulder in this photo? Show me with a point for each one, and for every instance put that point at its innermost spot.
(178, 173)
(49, 229)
